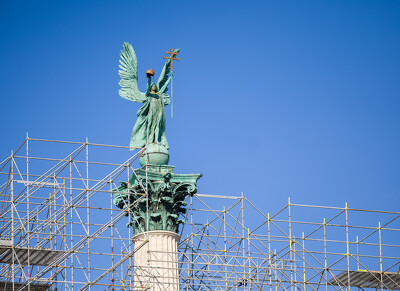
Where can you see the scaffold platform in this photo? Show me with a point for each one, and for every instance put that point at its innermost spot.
(25, 255)
(8, 286)
(29, 256)
(368, 279)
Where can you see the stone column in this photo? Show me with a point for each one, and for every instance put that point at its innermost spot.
(156, 263)
(155, 198)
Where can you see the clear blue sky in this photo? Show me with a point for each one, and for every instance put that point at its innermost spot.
(272, 98)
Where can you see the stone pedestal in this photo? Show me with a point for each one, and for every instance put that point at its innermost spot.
(156, 263)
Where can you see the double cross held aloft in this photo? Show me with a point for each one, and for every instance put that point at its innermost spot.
(172, 57)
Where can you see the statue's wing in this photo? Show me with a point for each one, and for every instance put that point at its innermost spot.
(165, 71)
(128, 74)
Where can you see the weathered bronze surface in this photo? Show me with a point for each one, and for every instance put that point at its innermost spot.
(150, 125)
(165, 200)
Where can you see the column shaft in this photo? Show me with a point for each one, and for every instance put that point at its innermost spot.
(156, 264)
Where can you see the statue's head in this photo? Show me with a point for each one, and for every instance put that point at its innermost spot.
(154, 88)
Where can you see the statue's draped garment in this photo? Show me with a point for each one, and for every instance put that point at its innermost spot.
(150, 124)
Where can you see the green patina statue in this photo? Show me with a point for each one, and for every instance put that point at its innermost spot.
(154, 195)
(150, 125)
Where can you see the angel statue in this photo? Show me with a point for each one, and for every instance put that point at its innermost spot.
(149, 129)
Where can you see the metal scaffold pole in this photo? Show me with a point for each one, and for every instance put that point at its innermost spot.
(12, 220)
(87, 207)
(28, 208)
(71, 224)
(347, 248)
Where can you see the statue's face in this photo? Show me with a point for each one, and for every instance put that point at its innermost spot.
(154, 88)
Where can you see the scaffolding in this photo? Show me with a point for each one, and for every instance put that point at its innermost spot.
(59, 230)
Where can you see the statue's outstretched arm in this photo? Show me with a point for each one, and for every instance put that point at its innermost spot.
(165, 71)
(163, 89)
(148, 87)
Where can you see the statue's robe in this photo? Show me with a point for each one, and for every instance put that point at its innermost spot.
(150, 124)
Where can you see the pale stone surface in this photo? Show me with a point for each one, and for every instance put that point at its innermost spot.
(156, 263)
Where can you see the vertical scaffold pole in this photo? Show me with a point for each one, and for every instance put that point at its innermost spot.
(37, 234)
(51, 231)
(248, 257)
(129, 228)
(28, 210)
(191, 265)
(380, 254)
(325, 258)
(12, 220)
(71, 224)
(358, 257)
(87, 208)
(294, 259)
(269, 254)
(243, 239)
(290, 246)
(64, 236)
(225, 252)
(347, 244)
(304, 261)
(147, 224)
(122, 268)
(112, 238)
(275, 270)
(209, 256)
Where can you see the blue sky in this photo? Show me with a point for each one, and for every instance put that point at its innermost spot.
(271, 98)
